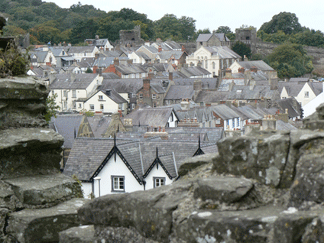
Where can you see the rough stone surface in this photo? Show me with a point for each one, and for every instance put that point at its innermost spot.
(44, 225)
(119, 235)
(228, 190)
(29, 151)
(3, 217)
(314, 231)
(44, 190)
(81, 234)
(149, 213)
(22, 102)
(194, 162)
(261, 156)
(291, 224)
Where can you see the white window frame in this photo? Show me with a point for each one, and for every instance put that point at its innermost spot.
(117, 183)
(91, 107)
(306, 94)
(153, 96)
(140, 96)
(102, 106)
(100, 97)
(158, 181)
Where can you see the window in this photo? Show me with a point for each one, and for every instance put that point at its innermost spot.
(80, 105)
(233, 122)
(153, 96)
(101, 106)
(73, 93)
(140, 96)
(91, 107)
(133, 106)
(206, 64)
(158, 181)
(118, 183)
(100, 97)
(65, 93)
(306, 94)
(238, 122)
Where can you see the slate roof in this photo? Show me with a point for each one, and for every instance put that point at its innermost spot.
(112, 53)
(66, 125)
(240, 92)
(222, 51)
(88, 154)
(294, 108)
(260, 65)
(81, 49)
(166, 55)
(86, 62)
(299, 79)
(103, 61)
(213, 133)
(110, 76)
(117, 98)
(251, 113)
(207, 83)
(82, 81)
(194, 71)
(130, 69)
(158, 116)
(281, 125)
(211, 96)
(56, 50)
(317, 87)
(225, 112)
(204, 37)
(99, 124)
(40, 55)
(293, 88)
(177, 92)
(128, 85)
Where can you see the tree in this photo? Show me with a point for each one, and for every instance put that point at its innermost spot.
(242, 49)
(285, 21)
(224, 29)
(290, 60)
(51, 107)
(170, 27)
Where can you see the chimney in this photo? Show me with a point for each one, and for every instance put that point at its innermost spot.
(183, 49)
(228, 73)
(108, 92)
(159, 49)
(171, 76)
(231, 85)
(241, 70)
(72, 77)
(146, 84)
(254, 69)
(273, 83)
(116, 61)
(97, 55)
(150, 75)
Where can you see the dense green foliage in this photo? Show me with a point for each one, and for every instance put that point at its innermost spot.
(47, 22)
(290, 60)
(12, 61)
(284, 27)
(242, 49)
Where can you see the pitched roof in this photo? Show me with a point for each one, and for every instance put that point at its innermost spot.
(222, 51)
(158, 116)
(225, 112)
(66, 125)
(81, 49)
(241, 92)
(259, 64)
(177, 92)
(294, 108)
(40, 55)
(130, 69)
(211, 96)
(103, 61)
(207, 83)
(81, 81)
(129, 85)
(293, 88)
(204, 37)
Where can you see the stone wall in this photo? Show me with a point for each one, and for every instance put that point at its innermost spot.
(263, 187)
(36, 200)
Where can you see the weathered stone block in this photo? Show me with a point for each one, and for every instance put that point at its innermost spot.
(81, 234)
(231, 226)
(314, 231)
(29, 151)
(149, 212)
(194, 162)
(22, 102)
(290, 226)
(43, 225)
(227, 189)
(262, 156)
(44, 190)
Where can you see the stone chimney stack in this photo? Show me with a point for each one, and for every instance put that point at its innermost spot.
(150, 75)
(159, 49)
(228, 73)
(171, 76)
(116, 61)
